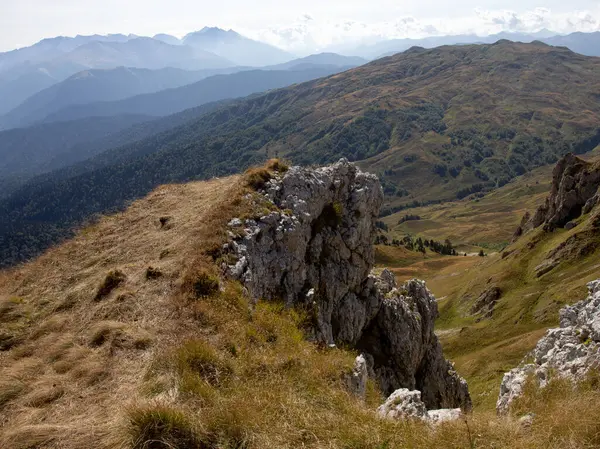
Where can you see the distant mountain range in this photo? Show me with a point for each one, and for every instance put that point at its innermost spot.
(435, 125)
(97, 85)
(235, 47)
(584, 43)
(26, 71)
(78, 132)
(214, 88)
(120, 91)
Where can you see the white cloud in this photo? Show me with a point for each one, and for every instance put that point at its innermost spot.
(301, 27)
(309, 34)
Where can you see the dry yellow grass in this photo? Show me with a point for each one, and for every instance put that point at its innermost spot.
(151, 364)
(82, 361)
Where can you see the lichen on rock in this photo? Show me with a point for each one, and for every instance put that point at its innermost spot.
(315, 251)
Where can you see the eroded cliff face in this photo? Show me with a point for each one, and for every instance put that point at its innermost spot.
(574, 191)
(569, 351)
(315, 250)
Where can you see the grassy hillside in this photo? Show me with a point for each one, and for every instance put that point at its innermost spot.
(173, 100)
(434, 124)
(104, 344)
(484, 349)
(481, 221)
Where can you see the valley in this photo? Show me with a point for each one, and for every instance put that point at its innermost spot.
(210, 242)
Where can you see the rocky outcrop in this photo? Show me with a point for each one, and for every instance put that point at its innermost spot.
(569, 351)
(357, 379)
(574, 191)
(405, 404)
(315, 251)
(486, 302)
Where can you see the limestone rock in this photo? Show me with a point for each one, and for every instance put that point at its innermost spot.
(512, 386)
(444, 415)
(407, 404)
(569, 351)
(403, 404)
(315, 250)
(574, 191)
(357, 380)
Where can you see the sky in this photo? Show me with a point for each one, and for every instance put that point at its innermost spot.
(298, 26)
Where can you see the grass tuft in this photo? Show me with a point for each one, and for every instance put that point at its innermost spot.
(199, 358)
(257, 178)
(118, 335)
(153, 273)
(113, 280)
(161, 427)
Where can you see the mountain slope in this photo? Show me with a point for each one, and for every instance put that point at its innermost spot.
(214, 88)
(25, 78)
(322, 59)
(235, 47)
(525, 281)
(103, 344)
(101, 85)
(30, 151)
(51, 48)
(14, 91)
(584, 43)
(436, 124)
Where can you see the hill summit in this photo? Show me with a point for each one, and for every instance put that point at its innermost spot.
(131, 333)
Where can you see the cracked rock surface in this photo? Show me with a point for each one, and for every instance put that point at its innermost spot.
(315, 250)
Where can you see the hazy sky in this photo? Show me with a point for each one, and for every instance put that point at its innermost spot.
(296, 26)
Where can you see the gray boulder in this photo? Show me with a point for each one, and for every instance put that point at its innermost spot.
(569, 351)
(315, 251)
(406, 404)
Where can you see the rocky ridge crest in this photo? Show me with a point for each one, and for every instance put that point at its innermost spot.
(569, 351)
(315, 250)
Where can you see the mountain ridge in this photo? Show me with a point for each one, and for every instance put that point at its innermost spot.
(415, 129)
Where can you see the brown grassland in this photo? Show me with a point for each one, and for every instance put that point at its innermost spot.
(172, 356)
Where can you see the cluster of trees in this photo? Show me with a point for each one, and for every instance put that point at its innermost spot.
(409, 217)
(418, 244)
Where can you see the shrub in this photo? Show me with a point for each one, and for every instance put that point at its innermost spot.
(257, 178)
(113, 280)
(161, 427)
(277, 165)
(205, 284)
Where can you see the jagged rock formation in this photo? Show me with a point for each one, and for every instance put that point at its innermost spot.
(486, 302)
(315, 250)
(575, 185)
(404, 403)
(569, 351)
